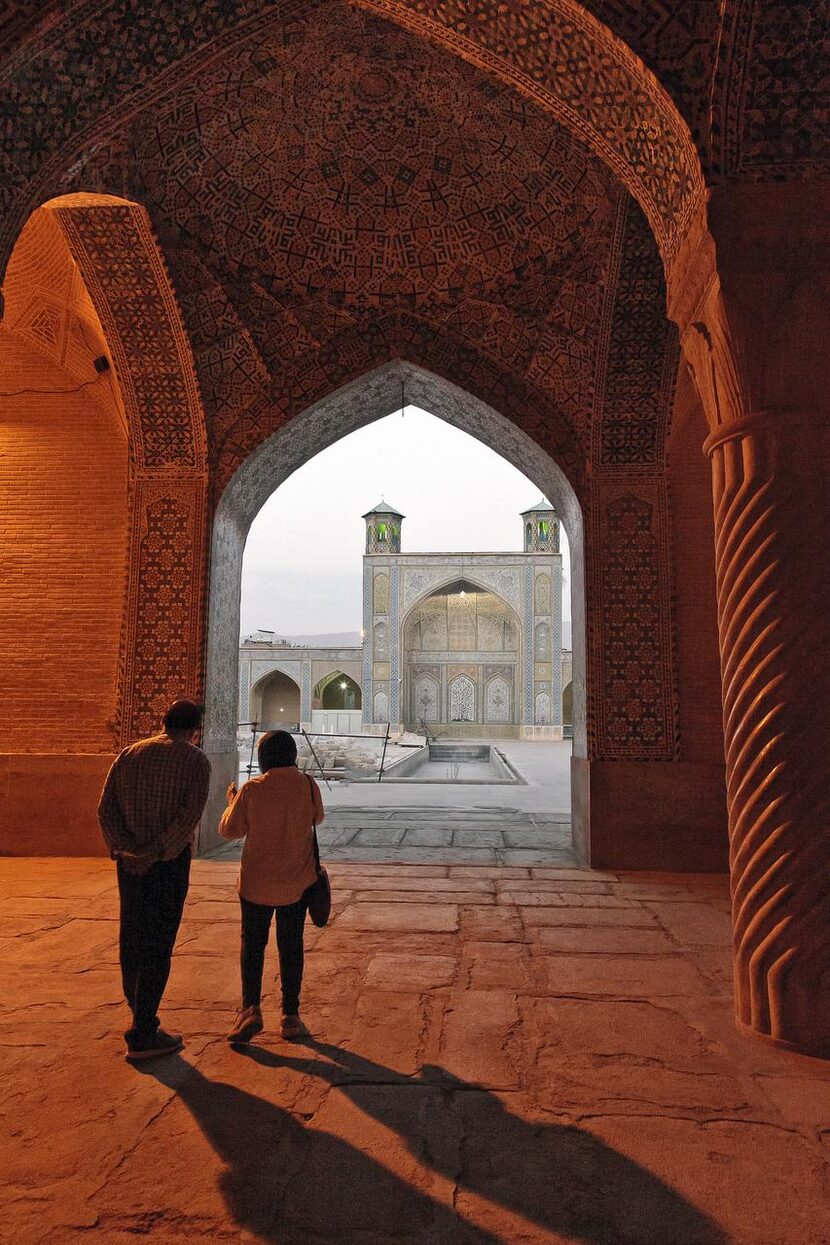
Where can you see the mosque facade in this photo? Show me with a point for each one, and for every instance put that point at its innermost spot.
(465, 645)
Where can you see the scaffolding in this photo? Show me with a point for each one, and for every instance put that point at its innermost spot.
(256, 729)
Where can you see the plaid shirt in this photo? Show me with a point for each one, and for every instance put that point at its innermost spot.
(152, 800)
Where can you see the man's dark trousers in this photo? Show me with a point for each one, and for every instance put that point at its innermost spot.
(151, 912)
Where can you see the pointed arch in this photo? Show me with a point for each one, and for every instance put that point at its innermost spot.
(370, 397)
(275, 701)
(119, 260)
(109, 450)
(337, 690)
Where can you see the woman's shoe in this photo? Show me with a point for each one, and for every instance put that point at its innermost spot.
(247, 1025)
(292, 1027)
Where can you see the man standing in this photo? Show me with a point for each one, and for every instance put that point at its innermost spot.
(150, 807)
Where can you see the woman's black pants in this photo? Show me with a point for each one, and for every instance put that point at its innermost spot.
(256, 924)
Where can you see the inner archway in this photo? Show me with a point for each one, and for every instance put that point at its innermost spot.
(275, 702)
(339, 691)
(373, 396)
(467, 622)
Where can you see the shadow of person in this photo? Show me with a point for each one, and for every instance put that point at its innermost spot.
(559, 1177)
(291, 1184)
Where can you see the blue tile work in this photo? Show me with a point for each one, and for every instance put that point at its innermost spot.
(305, 702)
(368, 641)
(556, 652)
(244, 690)
(529, 635)
(395, 643)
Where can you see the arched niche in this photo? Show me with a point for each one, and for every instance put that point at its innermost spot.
(337, 691)
(464, 616)
(371, 397)
(568, 704)
(414, 627)
(275, 701)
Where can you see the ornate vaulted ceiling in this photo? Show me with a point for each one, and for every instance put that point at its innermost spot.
(332, 197)
(749, 76)
(332, 189)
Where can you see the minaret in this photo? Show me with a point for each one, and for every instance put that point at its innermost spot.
(541, 529)
(383, 529)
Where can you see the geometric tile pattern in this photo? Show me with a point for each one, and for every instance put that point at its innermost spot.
(772, 95)
(633, 711)
(407, 204)
(639, 354)
(162, 654)
(122, 269)
(759, 63)
(677, 40)
(554, 50)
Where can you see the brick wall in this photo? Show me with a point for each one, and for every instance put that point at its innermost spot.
(63, 540)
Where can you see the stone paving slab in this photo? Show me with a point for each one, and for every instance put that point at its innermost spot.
(412, 835)
(482, 1071)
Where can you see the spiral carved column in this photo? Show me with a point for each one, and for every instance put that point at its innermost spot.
(773, 582)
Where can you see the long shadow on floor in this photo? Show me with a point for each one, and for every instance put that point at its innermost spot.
(287, 1182)
(292, 1185)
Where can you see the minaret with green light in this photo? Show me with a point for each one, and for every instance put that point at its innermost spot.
(541, 529)
(383, 529)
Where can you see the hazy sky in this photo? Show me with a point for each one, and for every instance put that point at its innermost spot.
(303, 568)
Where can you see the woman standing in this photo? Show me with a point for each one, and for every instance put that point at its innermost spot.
(275, 814)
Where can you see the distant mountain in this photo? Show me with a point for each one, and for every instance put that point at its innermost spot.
(326, 639)
(352, 639)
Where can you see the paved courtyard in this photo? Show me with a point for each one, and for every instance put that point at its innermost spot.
(454, 823)
(498, 1055)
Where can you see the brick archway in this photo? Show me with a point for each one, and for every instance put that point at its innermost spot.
(85, 130)
(112, 489)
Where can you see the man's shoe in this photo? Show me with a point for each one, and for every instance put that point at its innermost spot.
(292, 1027)
(247, 1025)
(150, 1045)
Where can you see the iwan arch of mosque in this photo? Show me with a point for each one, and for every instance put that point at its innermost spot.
(600, 229)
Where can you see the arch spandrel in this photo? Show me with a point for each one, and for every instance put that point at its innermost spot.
(460, 365)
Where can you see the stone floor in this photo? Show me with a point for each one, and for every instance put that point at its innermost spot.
(545, 791)
(500, 1055)
(443, 835)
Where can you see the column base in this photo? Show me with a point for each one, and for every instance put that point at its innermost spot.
(661, 816)
(224, 769)
(807, 1050)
